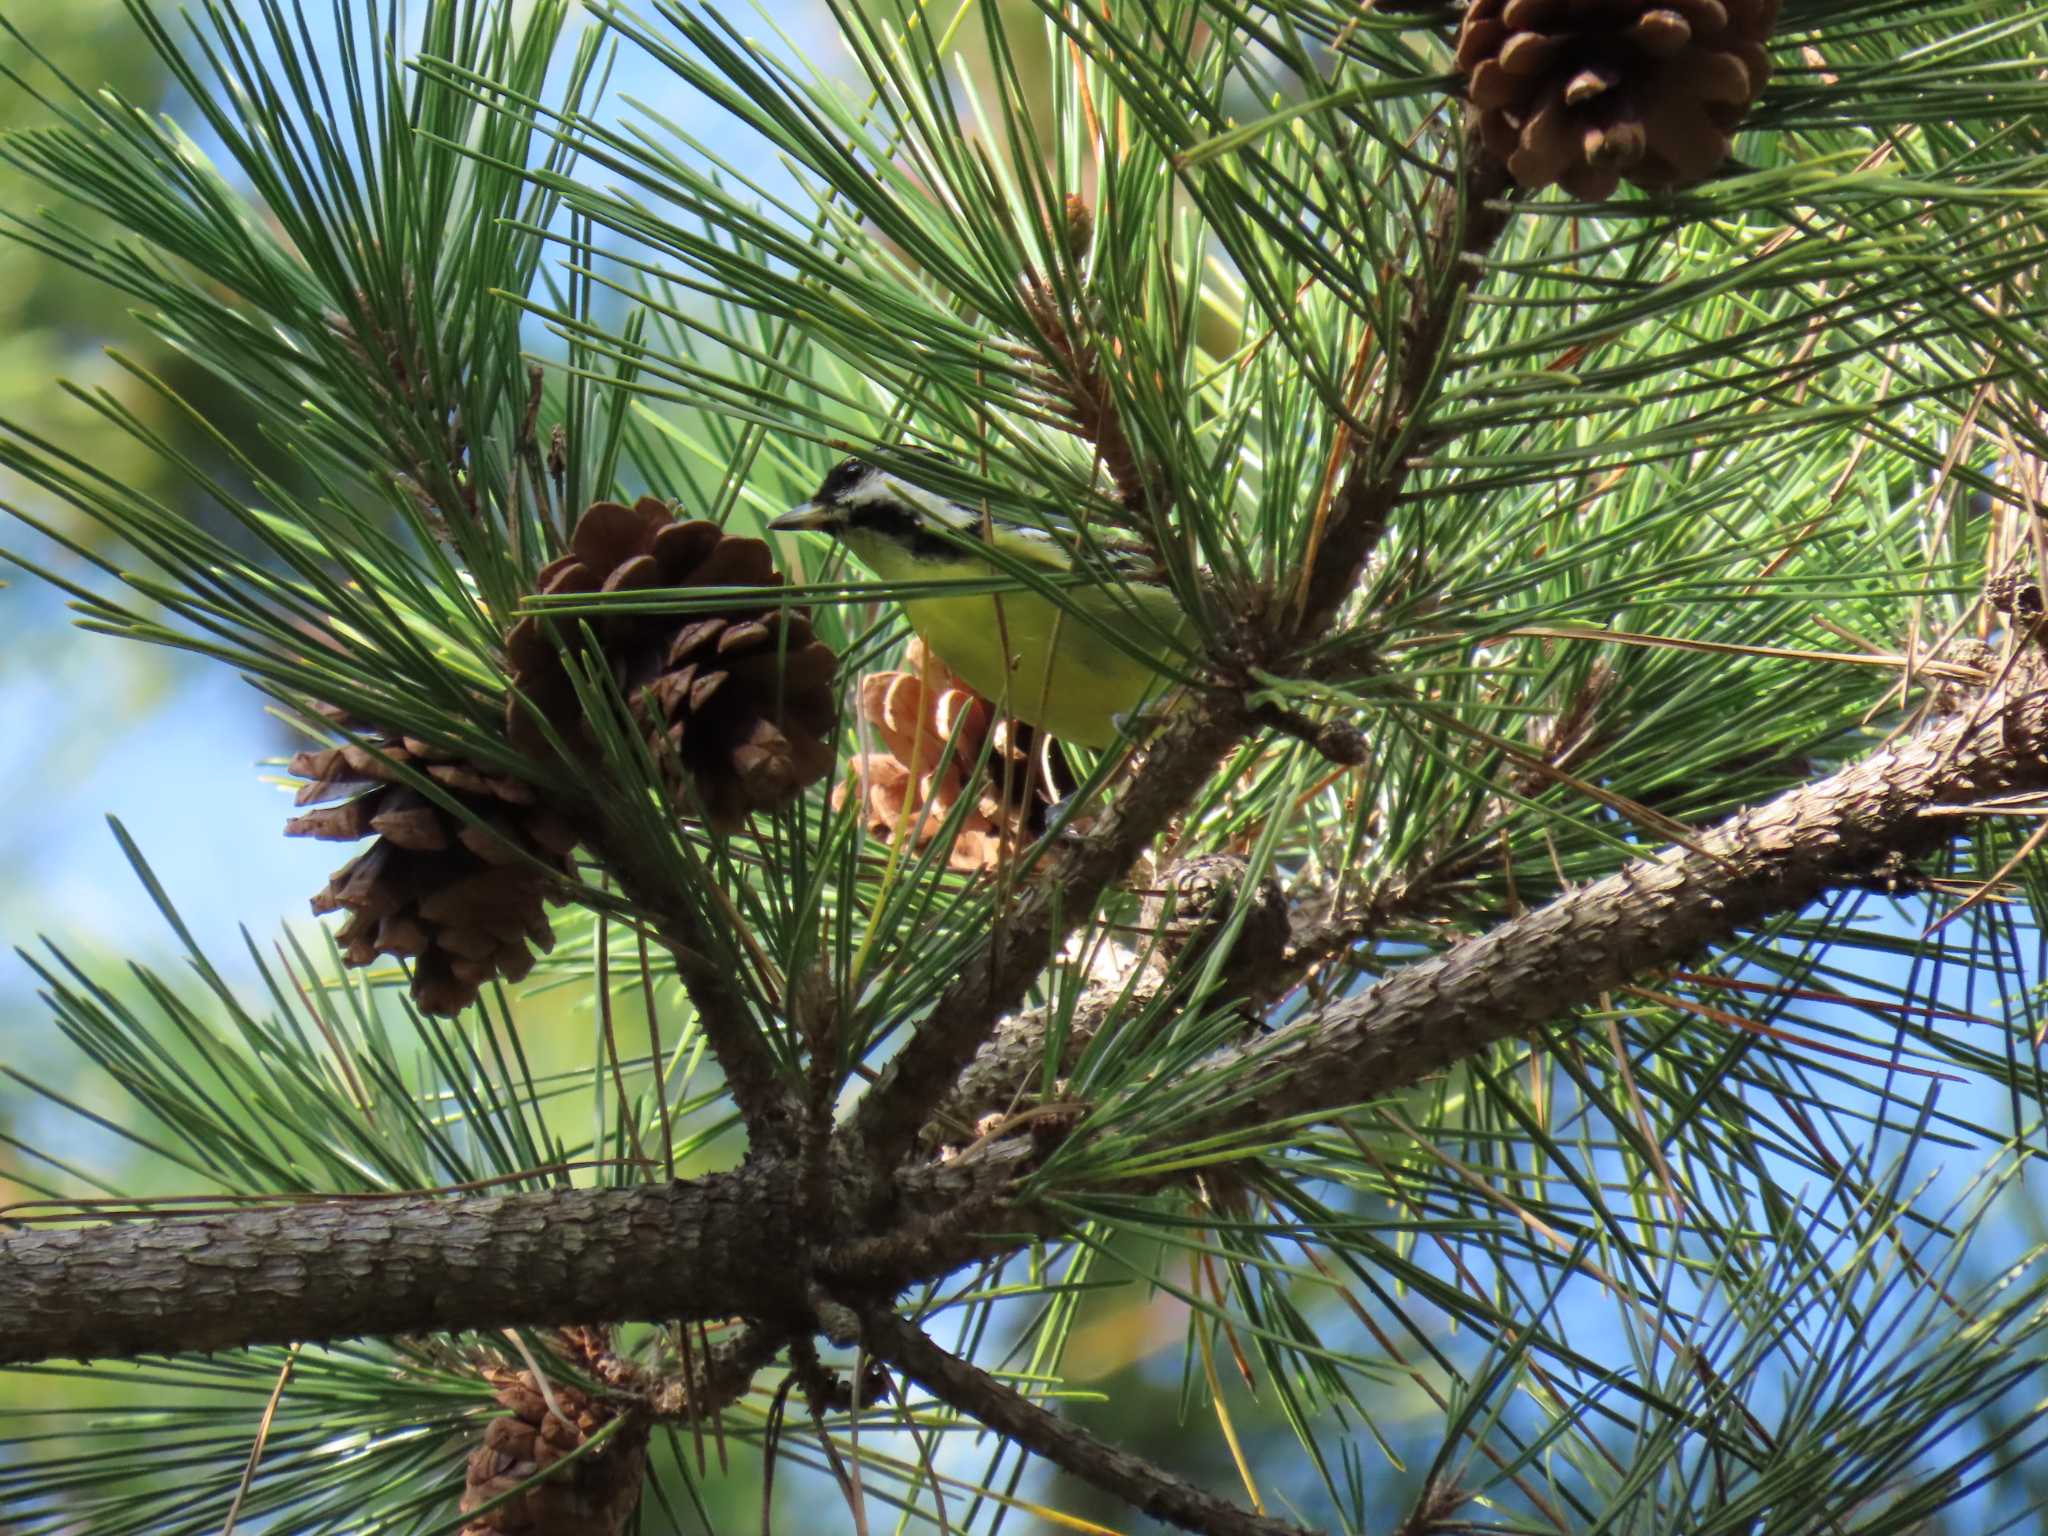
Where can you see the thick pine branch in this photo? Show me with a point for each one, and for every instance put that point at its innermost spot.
(1653, 912)
(733, 1244)
(343, 1268)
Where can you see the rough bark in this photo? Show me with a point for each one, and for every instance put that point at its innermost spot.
(332, 1269)
(1654, 911)
(732, 1245)
(736, 1244)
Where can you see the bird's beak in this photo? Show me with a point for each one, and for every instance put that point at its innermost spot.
(807, 516)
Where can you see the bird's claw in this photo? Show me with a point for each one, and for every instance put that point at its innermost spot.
(1058, 815)
(1136, 722)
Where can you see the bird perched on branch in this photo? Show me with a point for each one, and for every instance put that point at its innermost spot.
(1074, 664)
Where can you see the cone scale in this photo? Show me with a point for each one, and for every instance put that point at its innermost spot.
(1586, 94)
(737, 703)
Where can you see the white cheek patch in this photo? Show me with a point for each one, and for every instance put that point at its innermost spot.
(935, 512)
(931, 508)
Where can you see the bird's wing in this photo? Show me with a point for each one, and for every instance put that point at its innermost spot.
(1051, 552)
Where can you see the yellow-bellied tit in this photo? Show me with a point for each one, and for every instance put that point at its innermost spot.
(1051, 668)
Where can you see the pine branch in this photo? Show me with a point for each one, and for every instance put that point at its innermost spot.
(1468, 219)
(699, 1388)
(766, 1103)
(1074, 376)
(735, 1244)
(1131, 1478)
(1652, 912)
(889, 1118)
(1472, 212)
(1264, 960)
(1450, 429)
(343, 1268)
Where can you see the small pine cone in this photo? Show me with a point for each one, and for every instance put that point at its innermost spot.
(739, 701)
(1586, 92)
(595, 1495)
(1080, 229)
(913, 713)
(2015, 593)
(462, 899)
(1197, 897)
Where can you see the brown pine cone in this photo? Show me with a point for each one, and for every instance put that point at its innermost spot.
(2015, 593)
(462, 899)
(593, 1496)
(1586, 92)
(1196, 898)
(913, 713)
(738, 701)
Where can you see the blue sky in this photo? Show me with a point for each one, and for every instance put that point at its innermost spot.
(185, 776)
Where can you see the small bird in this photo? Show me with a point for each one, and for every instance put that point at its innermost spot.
(1044, 665)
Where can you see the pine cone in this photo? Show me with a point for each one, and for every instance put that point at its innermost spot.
(914, 713)
(595, 1495)
(1197, 898)
(1080, 229)
(740, 701)
(2015, 593)
(462, 899)
(1586, 92)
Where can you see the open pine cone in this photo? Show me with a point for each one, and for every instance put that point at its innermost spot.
(739, 701)
(594, 1496)
(913, 713)
(461, 898)
(1586, 92)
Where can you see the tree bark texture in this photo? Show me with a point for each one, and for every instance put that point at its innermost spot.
(733, 1245)
(334, 1269)
(1652, 912)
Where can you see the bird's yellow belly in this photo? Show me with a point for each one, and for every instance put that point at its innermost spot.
(1072, 688)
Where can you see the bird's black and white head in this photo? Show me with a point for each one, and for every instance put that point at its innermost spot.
(872, 510)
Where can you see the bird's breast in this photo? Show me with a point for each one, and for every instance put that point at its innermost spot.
(1036, 662)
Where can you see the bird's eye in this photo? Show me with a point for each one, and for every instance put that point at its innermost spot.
(843, 477)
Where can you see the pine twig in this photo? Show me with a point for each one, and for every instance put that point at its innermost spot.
(1436, 1511)
(1198, 901)
(892, 1113)
(1072, 369)
(1136, 1481)
(1472, 212)
(768, 1107)
(1338, 741)
(702, 1388)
